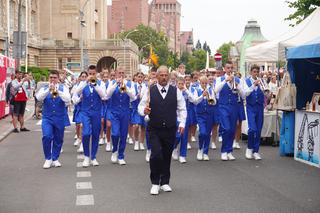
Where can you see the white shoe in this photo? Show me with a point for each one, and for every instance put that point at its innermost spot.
(205, 157)
(141, 146)
(61, 151)
(230, 156)
(47, 164)
(182, 159)
(256, 156)
(56, 163)
(136, 146)
(122, 162)
(175, 155)
(80, 150)
(114, 157)
(220, 139)
(200, 155)
(193, 139)
(108, 147)
(154, 189)
(166, 188)
(148, 153)
(77, 142)
(236, 145)
(249, 154)
(101, 141)
(75, 136)
(94, 162)
(213, 145)
(189, 146)
(86, 162)
(130, 141)
(224, 156)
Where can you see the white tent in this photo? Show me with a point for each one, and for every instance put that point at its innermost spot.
(274, 50)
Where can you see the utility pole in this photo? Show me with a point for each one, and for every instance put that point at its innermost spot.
(18, 56)
(82, 24)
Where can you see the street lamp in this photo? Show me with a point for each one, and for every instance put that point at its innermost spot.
(124, 47)
(82, 24)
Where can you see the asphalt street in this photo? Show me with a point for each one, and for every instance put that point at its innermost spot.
(275, 184)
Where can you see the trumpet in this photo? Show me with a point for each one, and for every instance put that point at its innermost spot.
(123, 87)
(93, 81)
(54, 92)
(211, 98)
(263, 85)
(234, 85)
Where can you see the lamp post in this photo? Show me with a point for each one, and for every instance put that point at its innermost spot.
(82, 24)
(124, 47)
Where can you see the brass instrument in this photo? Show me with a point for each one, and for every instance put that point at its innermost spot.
(54, 92)
(264, 87)
(212, 99)
(93, 81)
(123, 87)
(234, 86)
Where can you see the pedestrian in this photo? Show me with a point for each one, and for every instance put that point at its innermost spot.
(55, 96)
(21, 94)
(163, 103)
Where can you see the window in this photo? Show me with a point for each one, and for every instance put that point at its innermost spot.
(12, 16)
(69, 35)
(60, 63)
(36, 60)
(69, 59)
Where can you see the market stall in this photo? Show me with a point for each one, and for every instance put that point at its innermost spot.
(304, 69)
(7, 66)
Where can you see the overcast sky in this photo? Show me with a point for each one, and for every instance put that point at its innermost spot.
(219, 21)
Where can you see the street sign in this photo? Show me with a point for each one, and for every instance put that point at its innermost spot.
(217, 57)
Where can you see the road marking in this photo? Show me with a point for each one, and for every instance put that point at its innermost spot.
(83, 174)
(85, 200)
(84, 185)
(80, 157)
(79, 164)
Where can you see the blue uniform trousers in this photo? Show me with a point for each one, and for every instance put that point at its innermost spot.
(183, 140)
(255, 123)
(52, 138)
(119, 131)
(91, 122)
(228, 122)
(205, 123)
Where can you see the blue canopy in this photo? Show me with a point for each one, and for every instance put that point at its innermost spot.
(304, 69)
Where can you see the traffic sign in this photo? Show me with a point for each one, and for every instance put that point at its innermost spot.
(217, 57)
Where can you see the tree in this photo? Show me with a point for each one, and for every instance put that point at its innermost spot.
(224, 50)
(303, 9)
(198, 60)
(198, 45)
(206, 47)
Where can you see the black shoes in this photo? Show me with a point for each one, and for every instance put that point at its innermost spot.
(15, 130)
(24, 129)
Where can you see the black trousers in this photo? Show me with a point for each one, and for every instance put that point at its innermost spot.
(162, 142)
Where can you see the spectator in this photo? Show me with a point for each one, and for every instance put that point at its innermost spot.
(20, 93)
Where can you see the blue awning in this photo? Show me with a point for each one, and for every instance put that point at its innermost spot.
(309, 50)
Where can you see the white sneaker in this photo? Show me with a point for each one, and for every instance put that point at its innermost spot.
(122, 162)
(220, 139)
(56, 163)
(224, 156)
(230, 156)
(200, 155)
(256, 156)
(148, 153)
(154, 189)
(108, 147)
(77, 142)
(236, 145)
(80, 150)
(130, 141)
(86, 162)
(193, 139)
(47, 164)
(182, 159)
(101, 141)
(114, 157)
(175, 155)
(75, 136)
(94, 162)
(136, 146)
(249, 154)
(189, 146)
(166, 188)
(61, 151)
(213, 145)
(205, 157)
(141, 146)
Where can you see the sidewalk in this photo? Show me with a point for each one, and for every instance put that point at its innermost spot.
(6, 126)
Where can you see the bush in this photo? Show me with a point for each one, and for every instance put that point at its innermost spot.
(37, 72)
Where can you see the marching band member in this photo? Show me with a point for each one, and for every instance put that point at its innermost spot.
(121, 93)
(55, 97)
(104, 109)
(136, 119)
(215, 117)
(108, 124)
(193, 119)
(228, 87)
(254, 92)
(91, 93)
(204, 102)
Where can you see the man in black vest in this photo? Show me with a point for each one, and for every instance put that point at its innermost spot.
(164, 105)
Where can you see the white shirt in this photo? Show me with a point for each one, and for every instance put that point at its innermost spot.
(101, 90)
(113, 85)
(181, 104)
(64, 95)
(273, 87)
(220, 84)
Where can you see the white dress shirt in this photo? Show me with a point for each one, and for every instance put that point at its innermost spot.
(181, 104)
(220, 84)
(100, 89)
(64, 95)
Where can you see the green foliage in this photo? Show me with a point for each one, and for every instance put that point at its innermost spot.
(303, 9)
(224, 50)
(37, 72)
